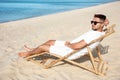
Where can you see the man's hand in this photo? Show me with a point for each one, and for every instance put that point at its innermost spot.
(76, 46)
(67, 43)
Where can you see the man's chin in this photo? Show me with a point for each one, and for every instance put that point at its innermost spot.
(94, 29)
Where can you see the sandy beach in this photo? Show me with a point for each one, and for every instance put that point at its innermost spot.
(61, 26)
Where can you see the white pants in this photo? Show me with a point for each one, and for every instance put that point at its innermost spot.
(60, 49)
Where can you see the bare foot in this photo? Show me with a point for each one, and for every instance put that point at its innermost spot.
(24, 54)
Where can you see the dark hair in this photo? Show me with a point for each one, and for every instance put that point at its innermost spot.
(101, 16)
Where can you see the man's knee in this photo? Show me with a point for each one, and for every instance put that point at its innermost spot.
(51, 42)
(45, 47)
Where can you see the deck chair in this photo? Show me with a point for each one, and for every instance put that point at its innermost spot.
(47, 60)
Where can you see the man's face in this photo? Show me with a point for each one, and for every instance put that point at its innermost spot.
(97, 24)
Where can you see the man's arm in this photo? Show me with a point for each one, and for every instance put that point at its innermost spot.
(76, 46)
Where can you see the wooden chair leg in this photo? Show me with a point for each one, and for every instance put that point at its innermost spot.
(92, 59)
(99, 53)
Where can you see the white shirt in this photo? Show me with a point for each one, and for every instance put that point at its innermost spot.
(87, 37)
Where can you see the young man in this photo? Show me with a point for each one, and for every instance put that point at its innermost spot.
(64, 47)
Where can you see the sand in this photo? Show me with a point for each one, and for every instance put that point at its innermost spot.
(61, 26)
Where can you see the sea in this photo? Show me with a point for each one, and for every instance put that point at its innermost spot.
(11, 10)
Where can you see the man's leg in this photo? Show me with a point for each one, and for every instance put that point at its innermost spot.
(49, 42)
(42, 48)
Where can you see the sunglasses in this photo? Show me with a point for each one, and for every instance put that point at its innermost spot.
(95, 22)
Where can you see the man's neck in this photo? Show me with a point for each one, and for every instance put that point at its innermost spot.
(100, 30)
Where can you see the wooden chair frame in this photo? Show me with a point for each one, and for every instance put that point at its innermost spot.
(96, 68)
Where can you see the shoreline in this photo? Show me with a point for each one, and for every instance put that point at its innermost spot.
(54, 13)
(61, 26)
